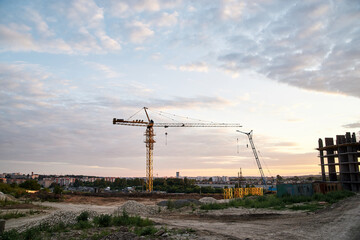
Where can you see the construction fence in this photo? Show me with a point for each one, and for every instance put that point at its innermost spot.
(230, 193)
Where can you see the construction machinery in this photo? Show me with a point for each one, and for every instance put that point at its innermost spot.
(249, 134)
(149, 138)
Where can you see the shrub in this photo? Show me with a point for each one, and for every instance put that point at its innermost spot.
(170, 204)
(10, 235)
(104, 220)
(84, 216)
(149, 230)
(213, 206)
(83, 225)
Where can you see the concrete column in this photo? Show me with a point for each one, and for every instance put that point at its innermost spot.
(323, 176)
(331, 159)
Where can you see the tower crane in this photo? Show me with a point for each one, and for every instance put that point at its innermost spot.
(249, 134)
(149, 140)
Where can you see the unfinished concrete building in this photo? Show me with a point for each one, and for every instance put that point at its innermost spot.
(341, 161)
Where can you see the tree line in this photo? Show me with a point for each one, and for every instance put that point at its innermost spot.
(169, 185)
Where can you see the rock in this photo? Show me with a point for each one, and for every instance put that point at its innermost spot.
(160, 232)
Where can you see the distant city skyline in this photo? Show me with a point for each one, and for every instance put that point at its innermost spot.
(288, 70)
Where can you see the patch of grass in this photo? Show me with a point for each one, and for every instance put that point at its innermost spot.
(100, 235)
(6, 202)
(146, 231)
(10, 235)
(272, 201)
(10, 215)
(83, 225)
(307, 207)
(126, 220)
(104, 220)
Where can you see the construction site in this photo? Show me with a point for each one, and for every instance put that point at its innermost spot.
(322, 209)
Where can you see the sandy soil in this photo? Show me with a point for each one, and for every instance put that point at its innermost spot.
(340, 221)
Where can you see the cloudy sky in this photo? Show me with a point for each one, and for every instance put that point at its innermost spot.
(289, 70)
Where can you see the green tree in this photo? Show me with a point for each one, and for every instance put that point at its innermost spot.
(78, 183)
(57, 189)
(279, 179)
(30, 185)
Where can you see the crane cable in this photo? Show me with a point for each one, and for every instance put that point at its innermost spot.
(265, 163)
(174, 115)
(134, 114)
(159, 113)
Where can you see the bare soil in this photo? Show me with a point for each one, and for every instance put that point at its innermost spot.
(338, 221)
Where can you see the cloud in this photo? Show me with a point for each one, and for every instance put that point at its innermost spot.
(127, 8)
(41, 25)
(106, 70)
(352, 125)
(317, 53)
(166, 19)
(85, 13)
(232, 9)
(139, 32)
(195, 67)
(286, 144)
(14, 40)
(44, 31)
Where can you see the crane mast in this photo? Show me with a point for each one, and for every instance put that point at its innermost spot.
(150, 141)
(249, 134)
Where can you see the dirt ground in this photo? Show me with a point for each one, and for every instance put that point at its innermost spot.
(339, 221)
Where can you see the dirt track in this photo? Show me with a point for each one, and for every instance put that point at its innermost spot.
(340, 221)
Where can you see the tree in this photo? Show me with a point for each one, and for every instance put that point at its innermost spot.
(30, 185)
(57, 189)
(279, 179)
(78, 183)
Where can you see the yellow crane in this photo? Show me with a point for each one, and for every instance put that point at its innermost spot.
(149, 141)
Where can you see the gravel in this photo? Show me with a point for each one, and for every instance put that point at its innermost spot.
(67, 217)
(207, 200)
(135, 208)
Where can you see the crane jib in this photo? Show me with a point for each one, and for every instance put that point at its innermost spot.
(167, 125)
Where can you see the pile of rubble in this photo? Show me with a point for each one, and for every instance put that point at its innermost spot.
(135, 208)
(66, 217)
(207, 200)
(6, 197)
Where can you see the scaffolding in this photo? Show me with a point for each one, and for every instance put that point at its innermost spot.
(342, 161)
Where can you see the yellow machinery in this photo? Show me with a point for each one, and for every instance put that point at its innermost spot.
(149, 141)
(230, 193)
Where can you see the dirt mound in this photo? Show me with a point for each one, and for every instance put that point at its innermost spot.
(207, 200)
(135, 208)
(6, 197)
(66, 217)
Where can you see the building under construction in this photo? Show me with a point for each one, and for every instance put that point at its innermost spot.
(341, 161)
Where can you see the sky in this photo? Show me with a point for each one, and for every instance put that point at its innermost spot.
(288, 70)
